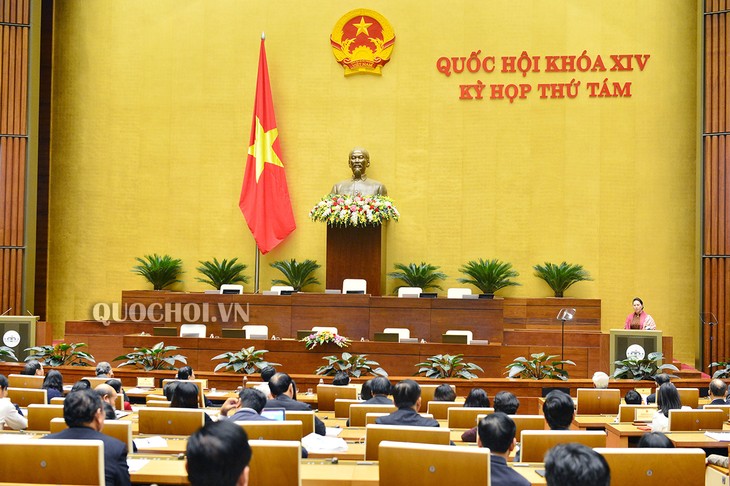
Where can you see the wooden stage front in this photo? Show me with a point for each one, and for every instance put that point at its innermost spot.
(513, 327)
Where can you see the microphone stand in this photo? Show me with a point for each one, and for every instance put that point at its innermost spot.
(565, 314)
(709, 319)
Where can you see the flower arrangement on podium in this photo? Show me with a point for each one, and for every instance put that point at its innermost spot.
(354, 211)
(320, 338)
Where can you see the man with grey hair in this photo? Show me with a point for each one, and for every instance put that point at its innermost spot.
(104, 370)
(600, 380)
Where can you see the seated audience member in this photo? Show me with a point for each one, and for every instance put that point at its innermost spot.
(659, 379)
(506, 402)
(83, 414)
(104, 370)
(117, 385)
(266, 373)
(341, 379)
(497, 432)
(558, 410)
(82, 384)
(477, 398)
(380, 388)
(444, 393)
(185, 373)
(169, 389)
(186, 396)
(109, 399)
(366, 392)
(575, 464)
(218, 455)
(407, 397)
(667, 399)
(247, 406)
(282, 389)
(600, 380)
(10, 415)
(718, 391)
(53, 384)
(32, 368)
(655, 439)
(632, 397)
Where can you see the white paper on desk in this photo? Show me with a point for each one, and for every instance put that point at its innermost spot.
(11, 437)
(333, 431)
(721, 436)
(150, 442)
(320, 443)
(136, 464)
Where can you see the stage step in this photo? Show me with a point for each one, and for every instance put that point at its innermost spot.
(688, 372)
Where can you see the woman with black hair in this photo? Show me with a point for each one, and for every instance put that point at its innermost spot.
(53, 384)
(185, 395)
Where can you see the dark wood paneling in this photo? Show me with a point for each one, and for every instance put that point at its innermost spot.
(356, 253)
(14, 38)
(716, 185)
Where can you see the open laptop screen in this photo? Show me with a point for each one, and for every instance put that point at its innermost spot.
(277, 414)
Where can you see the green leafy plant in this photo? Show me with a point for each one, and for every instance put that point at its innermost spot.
(296, 274)
(723, 372)
(160, 271)
(155, 358)
(223, 272)
(355, 365)
(560, 277)
(642, 369)
(247, 360)
(423, 275)
(488, 276)
(7, 354)
(60, 354)
(448, 366)
(540, 366)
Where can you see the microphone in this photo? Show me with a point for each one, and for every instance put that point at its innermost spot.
(708, 318)
(9, 309)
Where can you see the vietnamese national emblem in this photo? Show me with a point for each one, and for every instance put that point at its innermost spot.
(362, 41)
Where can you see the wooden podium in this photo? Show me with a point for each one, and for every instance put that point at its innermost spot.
(356, 253)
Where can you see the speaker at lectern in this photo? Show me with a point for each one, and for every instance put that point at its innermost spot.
(18, 333)
(621, 339)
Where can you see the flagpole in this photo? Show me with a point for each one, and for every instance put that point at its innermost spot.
(256, 271)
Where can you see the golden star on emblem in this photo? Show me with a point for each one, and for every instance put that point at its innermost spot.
(362, 27)
(262, 148)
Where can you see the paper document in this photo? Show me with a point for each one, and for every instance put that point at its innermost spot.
(721, 436)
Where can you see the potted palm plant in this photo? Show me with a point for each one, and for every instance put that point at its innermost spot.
(296, 274)
(160, 271)
(224, 272)
(488, 276)
(423, 275)
(560, 277)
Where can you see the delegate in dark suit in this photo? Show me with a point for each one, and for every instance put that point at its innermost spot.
(116, 471)
(378, 400)
(248, 414)
(407, 397)
(282, 390)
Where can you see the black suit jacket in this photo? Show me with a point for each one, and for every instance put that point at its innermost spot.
(406, 416)
(503, 475)
(116, 470)
(285, 401)
(378, 400)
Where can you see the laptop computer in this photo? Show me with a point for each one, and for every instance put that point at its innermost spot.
(278, 414)
(388, 337)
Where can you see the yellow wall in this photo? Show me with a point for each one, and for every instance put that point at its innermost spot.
(152, 112)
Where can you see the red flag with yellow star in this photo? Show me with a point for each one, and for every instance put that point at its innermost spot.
(264, 198)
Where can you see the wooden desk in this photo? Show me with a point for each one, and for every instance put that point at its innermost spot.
(529, 472)
(618, 435)
(695, 439)
(592, 422)
(167, 470)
